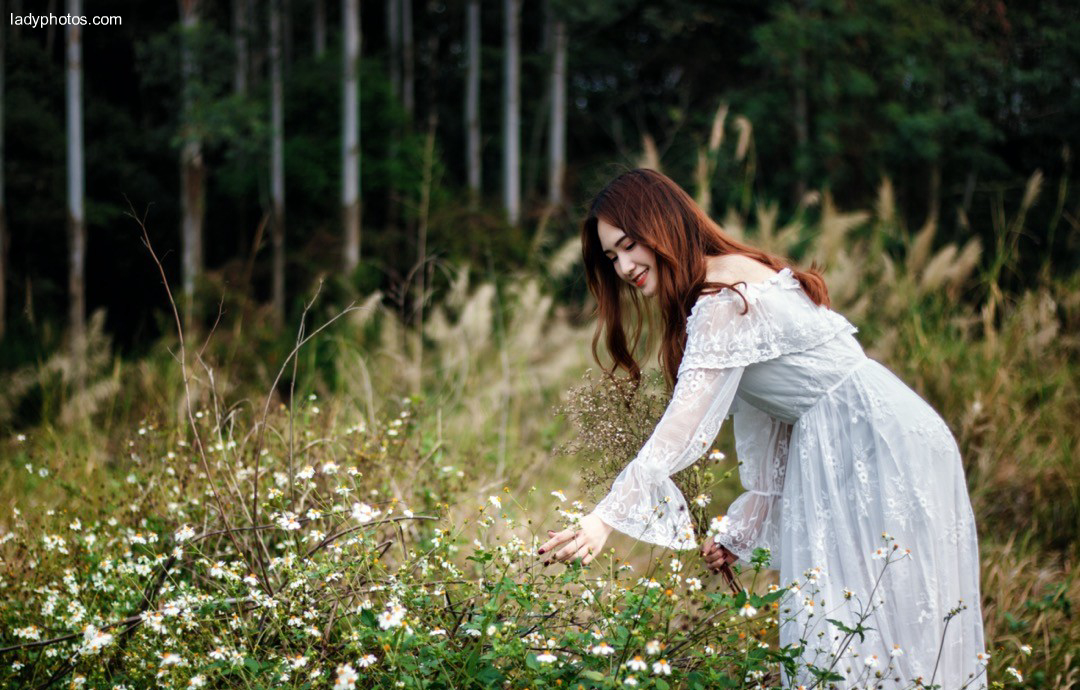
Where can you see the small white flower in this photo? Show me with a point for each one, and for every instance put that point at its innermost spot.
(366, 660)
(637, 664)
(630, 680)
(171, 659)
(983, 658)
(495, 501)
(288, 521)
(346, 678)
(716, 456)
(1025, 649)
(184, 533)
(693, 584)
(661, 667)
(307, 473)
(198, 681)
(702, 500)
(559, 495)
(363, 513)
(652, 647)
(747, 611)
(871, 661)
(719, 525)
(546, 658)
(880, 553)
(1015, 674)
(603, 649)
(896, 651)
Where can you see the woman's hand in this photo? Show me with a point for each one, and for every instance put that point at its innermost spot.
(584, 543)
(716, 555)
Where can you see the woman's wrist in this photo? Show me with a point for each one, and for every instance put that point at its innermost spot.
(608, 528)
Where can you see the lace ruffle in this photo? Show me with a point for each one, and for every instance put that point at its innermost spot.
(777, 322)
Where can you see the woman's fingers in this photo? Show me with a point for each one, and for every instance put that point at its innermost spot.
(557, 539)
(570, 549)
(718, 557)
(582, 553)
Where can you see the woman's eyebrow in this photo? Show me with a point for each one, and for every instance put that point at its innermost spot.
(620, 241)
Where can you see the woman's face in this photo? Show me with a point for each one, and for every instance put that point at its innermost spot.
(634, 262)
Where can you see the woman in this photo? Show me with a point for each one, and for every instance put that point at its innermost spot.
(835, 451)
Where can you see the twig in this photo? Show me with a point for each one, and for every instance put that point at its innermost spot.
(184, 375)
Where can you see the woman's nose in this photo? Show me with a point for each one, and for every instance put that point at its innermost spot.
(626, 265)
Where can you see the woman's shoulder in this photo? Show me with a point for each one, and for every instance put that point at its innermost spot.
(736, 268)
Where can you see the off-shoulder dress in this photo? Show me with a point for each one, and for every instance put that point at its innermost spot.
(834, 451)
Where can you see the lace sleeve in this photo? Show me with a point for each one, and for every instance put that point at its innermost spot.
(753, 519)
(643, 502)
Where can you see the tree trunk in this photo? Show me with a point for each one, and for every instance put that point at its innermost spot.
(240, 47)
(393, 40)
(192, 167)
(350, 141)
(472, 101)
(512, 112)
(408, 97)
(76, 183)
(319, 28)
(277, 161)
(557, 140)
(3, 205)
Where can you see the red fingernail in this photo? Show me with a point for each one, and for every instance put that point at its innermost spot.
(540, 551)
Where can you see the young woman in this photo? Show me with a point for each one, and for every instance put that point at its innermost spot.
(835, 451)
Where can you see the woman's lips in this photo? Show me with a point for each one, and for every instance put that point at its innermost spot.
(641, 279)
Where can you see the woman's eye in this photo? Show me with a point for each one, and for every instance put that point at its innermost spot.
(630, 245)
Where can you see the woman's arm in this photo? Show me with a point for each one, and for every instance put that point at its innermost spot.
(753, 519)
(644, 502)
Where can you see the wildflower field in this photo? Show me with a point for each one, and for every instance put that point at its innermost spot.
(361, 508)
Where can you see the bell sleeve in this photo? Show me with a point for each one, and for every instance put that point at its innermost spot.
(644, 502)
(753, 519)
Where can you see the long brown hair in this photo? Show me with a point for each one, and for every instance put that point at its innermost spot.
(651, 209)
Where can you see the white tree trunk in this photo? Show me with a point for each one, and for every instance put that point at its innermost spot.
(350, 141)
(408, 97)
(76, 182)
(277, 161)
(319, 28)
(240, 46)
(192, 167)
(3, 205)
(472, 99)
(557, 140)
(512, 112)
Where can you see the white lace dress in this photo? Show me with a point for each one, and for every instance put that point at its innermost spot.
(834, 451)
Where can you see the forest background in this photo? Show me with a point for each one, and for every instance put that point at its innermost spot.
(433, 162)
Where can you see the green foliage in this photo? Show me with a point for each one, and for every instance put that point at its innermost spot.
(230, 559)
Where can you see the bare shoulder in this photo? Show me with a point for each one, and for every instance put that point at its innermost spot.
(737, 268)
